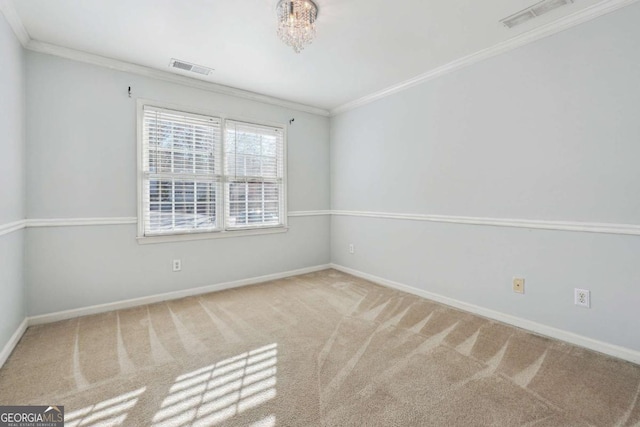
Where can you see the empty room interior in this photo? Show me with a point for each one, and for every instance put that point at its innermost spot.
(320, 213)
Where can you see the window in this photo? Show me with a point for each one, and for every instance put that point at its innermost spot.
(203, 175)
(253, 174)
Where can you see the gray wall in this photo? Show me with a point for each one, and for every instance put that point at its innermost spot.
(12, 181)
(549, 131)
(81, 154)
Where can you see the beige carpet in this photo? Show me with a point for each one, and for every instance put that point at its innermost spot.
(320, 349)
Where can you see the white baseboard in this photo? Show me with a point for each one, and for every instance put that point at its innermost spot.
(582, 341)
(119, 305)
(13, 341)
(579, 340)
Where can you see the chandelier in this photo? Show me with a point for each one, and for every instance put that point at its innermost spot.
(297, 22)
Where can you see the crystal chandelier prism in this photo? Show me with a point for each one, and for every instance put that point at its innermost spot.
(297, 22)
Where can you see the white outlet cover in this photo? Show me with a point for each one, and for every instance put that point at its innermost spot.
(177, 265)
(582, 298)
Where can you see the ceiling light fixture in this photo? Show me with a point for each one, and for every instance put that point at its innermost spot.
(297, 22)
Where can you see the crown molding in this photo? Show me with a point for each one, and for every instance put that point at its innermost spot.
(11, 15)
(127, 67)
(14, 21)
(584, 15)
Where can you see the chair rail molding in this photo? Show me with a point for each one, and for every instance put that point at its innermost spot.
(12, 226)
(575, 226)
(587, 227)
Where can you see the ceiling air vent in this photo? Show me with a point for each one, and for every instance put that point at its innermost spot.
(533, 11)
(186, 66)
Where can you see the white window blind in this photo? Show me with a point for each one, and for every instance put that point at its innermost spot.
(254, 175)
(181, 172)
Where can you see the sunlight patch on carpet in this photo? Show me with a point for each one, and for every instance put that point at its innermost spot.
(269, 421)
(110, 412)
(215, 393)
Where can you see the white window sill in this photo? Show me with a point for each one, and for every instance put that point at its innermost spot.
(169, 238)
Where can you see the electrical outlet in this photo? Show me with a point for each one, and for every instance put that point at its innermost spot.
(352, 249)
(518, 285)
(582, 298)
(177, 265)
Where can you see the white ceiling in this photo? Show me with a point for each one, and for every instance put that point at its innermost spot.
(362, 46)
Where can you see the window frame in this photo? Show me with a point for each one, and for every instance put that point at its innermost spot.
(222, 232)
